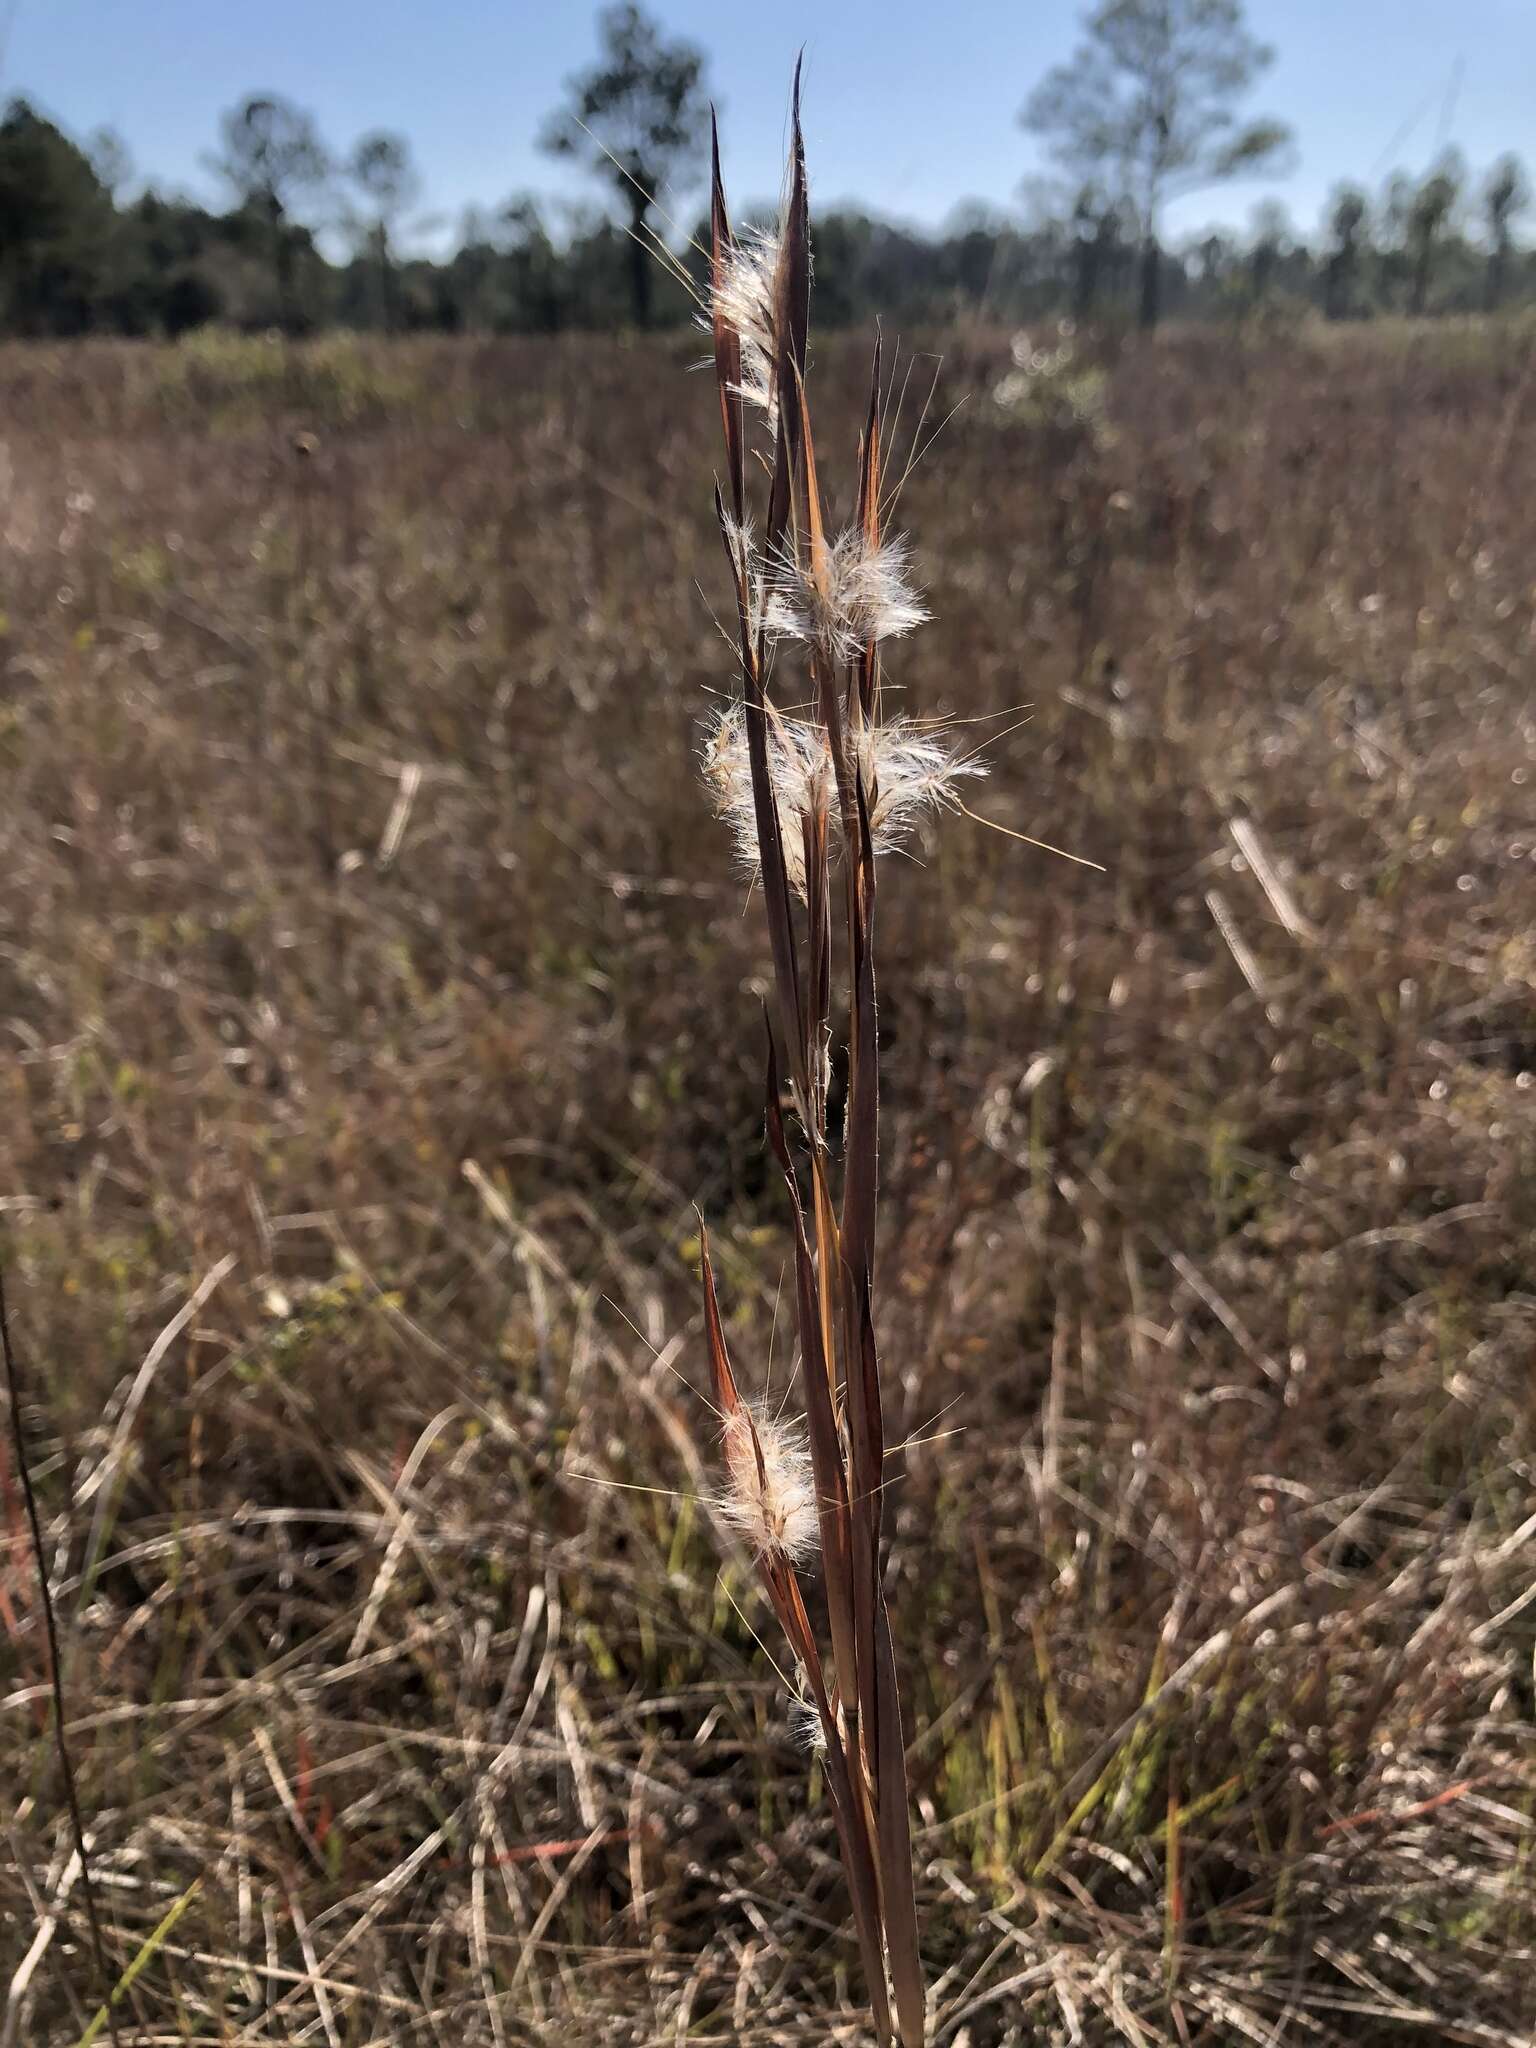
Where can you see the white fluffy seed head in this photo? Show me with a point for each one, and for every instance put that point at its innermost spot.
(741, 541)
(741, 545)
(799, 770)
(910, 771)
(746, 299)
(770, 1496)
(866, 595)
(806, 1728)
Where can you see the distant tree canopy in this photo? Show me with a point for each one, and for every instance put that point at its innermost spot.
(273, 159)
(313, 237)
(384, 174)
(1429, 213)
(640, 118)
(1145, 105)
(1348, 218)
(1506, 196)
(55, 227)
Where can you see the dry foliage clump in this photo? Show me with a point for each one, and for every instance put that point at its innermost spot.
(372, 987)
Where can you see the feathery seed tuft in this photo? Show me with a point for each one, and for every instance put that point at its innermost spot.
(866, 596)
(910, 771)
(771, 1498)
(745, 296)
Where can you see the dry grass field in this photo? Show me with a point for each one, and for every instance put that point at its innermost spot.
(378, 1003)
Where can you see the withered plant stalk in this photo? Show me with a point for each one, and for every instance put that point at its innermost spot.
(812, 797)
(104, 1977)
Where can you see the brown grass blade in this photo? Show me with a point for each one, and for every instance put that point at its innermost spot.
(810, 496)
(850, 1813)
(792, 314)
(895, 1843)
(795, 269)
(824, 657)
(781, 488)
(819, 978)
(727, 1397)
(867, 668)
(866, 1455)
(862, 1140)
(866, 1430)
(727, 340)
(775, 879)
(820, 1417)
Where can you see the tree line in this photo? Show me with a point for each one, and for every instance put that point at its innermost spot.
(1147, 109)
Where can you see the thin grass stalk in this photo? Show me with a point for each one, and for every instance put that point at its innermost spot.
(879, 1697)
(818, 1380)
(106, 1987)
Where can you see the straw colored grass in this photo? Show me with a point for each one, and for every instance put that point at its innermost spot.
(411, 1697)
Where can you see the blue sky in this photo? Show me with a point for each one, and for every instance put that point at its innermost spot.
(909, 108)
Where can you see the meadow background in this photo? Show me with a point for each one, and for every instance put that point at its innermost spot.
(379, 1005)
